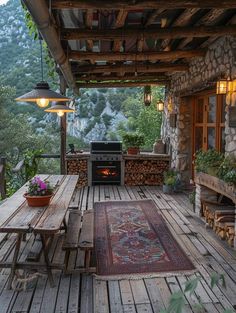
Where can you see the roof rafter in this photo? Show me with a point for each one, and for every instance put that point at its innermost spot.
(135, 68)
(160, 33)
(142, 4)
(120, 84)
(143, 77)
(135, 57)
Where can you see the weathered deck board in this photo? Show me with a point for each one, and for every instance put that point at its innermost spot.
(83, 294)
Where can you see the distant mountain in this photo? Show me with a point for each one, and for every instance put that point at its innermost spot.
(19, 53)
(98, 111)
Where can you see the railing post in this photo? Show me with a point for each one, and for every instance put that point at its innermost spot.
(2, 177)
(63, 128)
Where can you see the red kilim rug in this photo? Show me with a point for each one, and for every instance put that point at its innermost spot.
(132, 237)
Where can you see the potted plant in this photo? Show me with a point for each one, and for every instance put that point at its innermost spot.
(208, 161)
(170, 177)
(133, 142)
(39, 192)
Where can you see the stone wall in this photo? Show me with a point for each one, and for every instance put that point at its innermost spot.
(203, 72)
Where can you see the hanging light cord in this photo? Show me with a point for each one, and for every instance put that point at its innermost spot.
(41, 56)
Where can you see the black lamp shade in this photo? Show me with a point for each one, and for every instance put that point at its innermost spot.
(42, 91)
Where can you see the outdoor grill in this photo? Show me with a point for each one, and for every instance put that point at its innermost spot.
(106, 157)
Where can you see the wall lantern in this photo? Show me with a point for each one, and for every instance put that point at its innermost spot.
(222, 87)
(170, 106)
(228, 88)
(60, 109)
(147, 95)
(42, 94)
(160, 106)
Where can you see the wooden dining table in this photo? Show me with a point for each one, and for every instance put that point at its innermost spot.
(17, 217)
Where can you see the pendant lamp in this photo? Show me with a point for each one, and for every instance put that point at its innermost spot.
(42, 94)
(60, 109)
(147, 95)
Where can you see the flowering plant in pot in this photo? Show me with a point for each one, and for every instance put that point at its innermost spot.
(133, 142)
(39, 192)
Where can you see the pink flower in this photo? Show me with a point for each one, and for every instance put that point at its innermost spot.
(42, 185)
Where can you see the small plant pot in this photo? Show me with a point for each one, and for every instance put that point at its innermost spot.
(167, 189)
(133, 150)
(37, 201)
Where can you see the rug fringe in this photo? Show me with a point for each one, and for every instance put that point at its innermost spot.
(144, 275)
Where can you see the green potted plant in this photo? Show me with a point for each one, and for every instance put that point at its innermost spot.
(208, 161)
(133, 142)
(227, 170)
(170, 177)
(39, 192)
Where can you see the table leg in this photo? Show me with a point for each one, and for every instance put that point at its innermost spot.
(45, 246)
(14, 261)
(64, 225)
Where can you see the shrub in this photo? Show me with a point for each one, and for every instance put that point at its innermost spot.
(208, 161)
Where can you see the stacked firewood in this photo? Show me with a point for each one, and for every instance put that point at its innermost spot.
(145, 172)
(78, 167)
(220, 217)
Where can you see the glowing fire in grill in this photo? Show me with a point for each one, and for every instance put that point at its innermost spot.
(106, 172)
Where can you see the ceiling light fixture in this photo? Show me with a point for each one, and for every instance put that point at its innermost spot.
(60, 109)
(42, 94)
(147, 95)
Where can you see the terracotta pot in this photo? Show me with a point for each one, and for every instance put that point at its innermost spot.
(133, 150)
(38, 201)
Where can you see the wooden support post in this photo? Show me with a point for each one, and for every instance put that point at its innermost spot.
(2, 177)
(63, 129)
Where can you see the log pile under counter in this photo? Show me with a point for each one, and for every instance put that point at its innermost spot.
(145, 169)
(142, 169)
(77, 164)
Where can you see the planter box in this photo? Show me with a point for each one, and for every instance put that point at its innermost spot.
(216, 184)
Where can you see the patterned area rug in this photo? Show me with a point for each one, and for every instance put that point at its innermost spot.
(132, 237)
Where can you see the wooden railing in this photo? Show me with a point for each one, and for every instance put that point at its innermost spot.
(2, 177)
(17, 170)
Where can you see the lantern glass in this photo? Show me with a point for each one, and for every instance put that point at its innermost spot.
(147, 95)
(160, 106)
(221, 87)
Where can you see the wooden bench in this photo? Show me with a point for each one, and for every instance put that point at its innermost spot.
(80, 235)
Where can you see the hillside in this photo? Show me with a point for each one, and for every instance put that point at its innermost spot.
(99, 112)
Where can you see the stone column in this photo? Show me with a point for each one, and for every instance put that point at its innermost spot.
(184, 138)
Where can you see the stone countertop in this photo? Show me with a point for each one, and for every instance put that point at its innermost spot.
(146, 155)
(142, 155)
(78, 155)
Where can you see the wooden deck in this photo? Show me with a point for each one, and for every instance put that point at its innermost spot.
(82, 293)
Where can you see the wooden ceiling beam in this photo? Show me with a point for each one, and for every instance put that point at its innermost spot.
(181, 21)
(120, 21)
(142, 4)
(89, 24)
(132, 68)
(153, 16)
(208, 19)
(160, 33)
(120, 84)
(105, 78)
(135, 57)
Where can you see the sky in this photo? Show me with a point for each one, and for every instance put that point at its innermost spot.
(3, 1)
